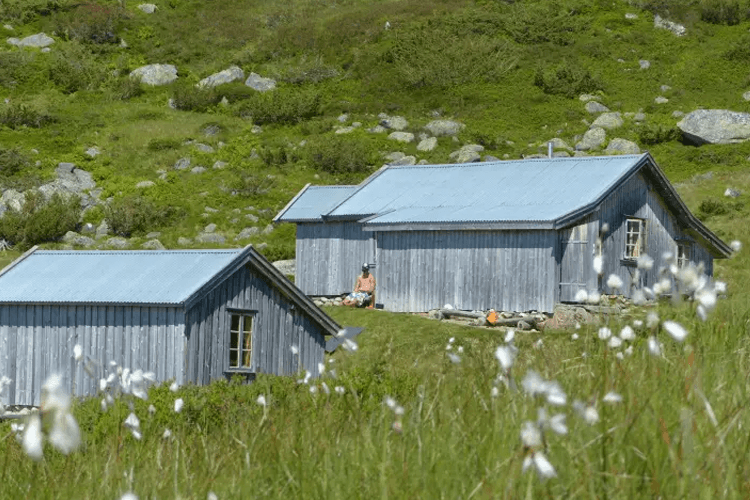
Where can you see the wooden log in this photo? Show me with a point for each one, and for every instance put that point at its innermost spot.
(463, 314)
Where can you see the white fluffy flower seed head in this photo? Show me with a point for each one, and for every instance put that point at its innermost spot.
(645, 262)
(614, 342)
(598, 264)
(614, 282)
(77, 352)
(505, 355)
(675, 330)
(604, 333)
(32, 438)
(581, 296)
(736, 245)
(261, 400)
(627, 333)
(178, 404)
(612, 398)
(654, 347)
(294, 349)
(531, 436)
(174, 386)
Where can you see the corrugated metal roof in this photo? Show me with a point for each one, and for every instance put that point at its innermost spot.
(122, 277)
(315, 201)
(519, 190)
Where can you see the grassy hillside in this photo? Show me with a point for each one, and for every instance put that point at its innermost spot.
(510, 71)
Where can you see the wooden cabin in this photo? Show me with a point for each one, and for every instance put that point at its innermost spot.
(514, 235)
(187, 315)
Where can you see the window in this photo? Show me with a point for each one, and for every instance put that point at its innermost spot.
(241, 341)
(683, 254)
(635, 243)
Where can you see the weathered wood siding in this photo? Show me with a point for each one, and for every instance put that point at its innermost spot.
(636, 198)
(576, 252)
(38, 340)
(329, 256)
(277, 325)
(509, 270)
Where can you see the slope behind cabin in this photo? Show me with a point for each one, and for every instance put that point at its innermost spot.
(187, 315)
(514, 235)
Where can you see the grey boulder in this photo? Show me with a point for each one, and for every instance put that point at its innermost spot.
(715, 126)
(155, 74)
(622, 146)
(442, 128)
(592, 139)
(40, 40)
(608, 121)
(231, 74)
(259, 83)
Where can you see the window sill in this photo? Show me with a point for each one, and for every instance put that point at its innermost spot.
(247, 373)
(629, 262)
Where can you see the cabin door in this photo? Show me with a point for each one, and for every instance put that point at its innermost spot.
(575, 261)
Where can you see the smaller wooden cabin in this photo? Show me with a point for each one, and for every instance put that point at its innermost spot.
(187, 315)
(515, 235)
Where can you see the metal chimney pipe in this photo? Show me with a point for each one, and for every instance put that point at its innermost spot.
(549, 149)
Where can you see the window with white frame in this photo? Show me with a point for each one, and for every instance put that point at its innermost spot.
(241, 341)
(635, 239)
(683, 254)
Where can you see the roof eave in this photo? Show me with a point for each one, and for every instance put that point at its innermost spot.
(279, 216)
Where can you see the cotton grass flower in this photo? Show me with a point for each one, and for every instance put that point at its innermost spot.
(510, 335)
(736, 245)
(540, 464)
(178, 404)
(294, 349)
(594, 297)
(587, 412)
(350, 345)
(64, 434)
(652, 319)
(645, 262)
(675, 330)
(614, 342)
(454, 358)
(604, 333)
(261, 400)
(614, 282)
(531, 436)
(166, 434)
(654, 347)
(134, 424)
(598, 264)
(174, 386)
(32, 438)
(627, 333)
(77, 352)
(505, 356)
(339, 389)
(612, 398)
(581, 296)
(574, 336)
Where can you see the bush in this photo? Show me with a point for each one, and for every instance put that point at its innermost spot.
(14, 67)
(339, 155)
(433, 56)
(40, 220)
(567, 80)
(12, 161)
(136, 214)
(251, 185)
(282, 106)
(544, 22)
(711, 207)
(91, 23)
(163, 144)
(728, 12)
(740, 50)
(656, 134)
(126, 88)
(192, 98)
(20, 115)
(71, 70)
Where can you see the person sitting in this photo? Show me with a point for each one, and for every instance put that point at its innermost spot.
(364, 290)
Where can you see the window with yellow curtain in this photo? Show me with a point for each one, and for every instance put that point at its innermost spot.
(241, 341)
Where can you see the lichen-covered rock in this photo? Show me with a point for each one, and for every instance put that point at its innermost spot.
(117, 242)
(401, 136)
(210, 238)
(608, 121)
(427, 144)
(259, 83)
(40, 40)
(155, 74)
(622, 146)
(228, 75)
(246, 233)
(153, 245)
(715, 126)
(677, 29)
(592, 139)
(394, 123)
(594, 107)
(147, 8)
(442, 128)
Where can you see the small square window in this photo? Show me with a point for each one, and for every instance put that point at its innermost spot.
(241, 341)
(635, 241)
(684, 251)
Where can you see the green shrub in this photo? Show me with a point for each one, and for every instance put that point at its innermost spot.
(91, 22)
(281, 106)
(20, 115)
(24, 11)
(543, 22)
(163, 144)
(656, 134)
(567, 80)
(340, 155)
(728, 12)
(711, 207)
(434, 56)
(71, 70)
(308, 70)
(192, 98)
(251, 185)
(278, 251)
(14, 67)
(12, 161)
(126, 88)
(40, 220)
(135, 214)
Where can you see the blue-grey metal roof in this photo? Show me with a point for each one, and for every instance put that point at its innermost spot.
(313, 202)
(520, 190)
(122, 277)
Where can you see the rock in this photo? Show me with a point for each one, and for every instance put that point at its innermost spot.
(210, 238)
(251, 217)
(442, 128)
(427, 144)
(39, 40)
(596, 107)
(477, 148)
(394, 123)
(246, 233)
(218, 164)
(211, 130)
(183, 242)
(204, 148)
(624, 146)
(117, 242)
(466, 156)
(631, 16)
(344, 130)
(715, 126)
(256, 129)
(644, 64)
(259, 83)
(145, 184)
(401, 136)
(588, 97)
(661, 100)
(732, 193)
(93, 152)
(182, 163)
(377, 129)
(268, 229)
(677, 114)
(608, 121)
(211, 210)
(231, 74)
(558, 143)
(677, 29)
(148, 8)
(8, 27)
(102, 230)
(523, 326)
(153, 245)
(12, 199)
(287, 267)
(155, 74)
(490, 158)
(153, 234)
(394, 156)
(198, 170)
(639, 116)
(665, 88)
(211, 228)
(592, 139)
(73, 238)
(343, 118)
(406, 160)
(88, 228)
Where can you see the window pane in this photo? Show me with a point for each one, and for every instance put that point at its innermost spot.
(234, 342)
(248, 324)
(235, 322)
(233, 355)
